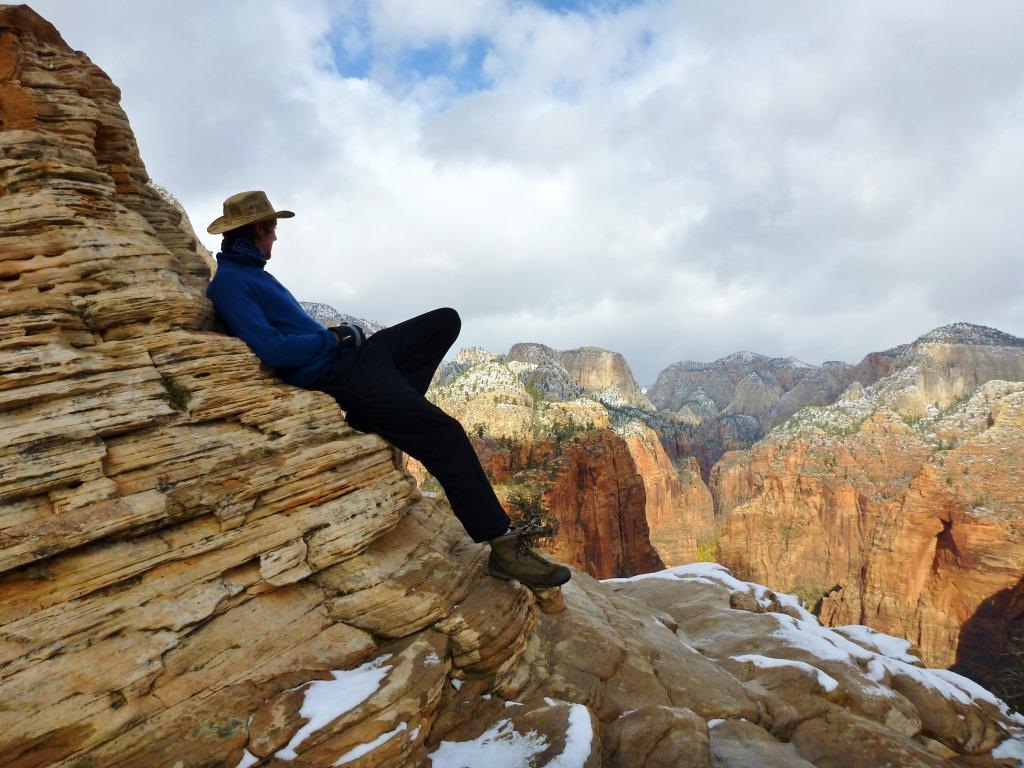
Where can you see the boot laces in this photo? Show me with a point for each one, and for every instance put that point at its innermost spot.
(524, 549)
(534, 531)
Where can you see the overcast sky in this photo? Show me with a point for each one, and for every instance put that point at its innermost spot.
(670, 180)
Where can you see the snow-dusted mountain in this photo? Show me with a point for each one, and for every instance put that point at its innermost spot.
(327, 316)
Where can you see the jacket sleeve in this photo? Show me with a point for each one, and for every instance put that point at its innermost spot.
(245, 319)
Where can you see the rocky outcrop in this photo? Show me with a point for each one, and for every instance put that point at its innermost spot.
(602, 374)
(600, 472)
(709, 409)
(679, 508)
(202, 566)
(825, 690)
(900, 505)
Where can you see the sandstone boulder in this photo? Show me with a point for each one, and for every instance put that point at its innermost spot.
(822, 688)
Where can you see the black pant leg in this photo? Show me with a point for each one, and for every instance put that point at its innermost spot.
(379, 399)
(418, 345)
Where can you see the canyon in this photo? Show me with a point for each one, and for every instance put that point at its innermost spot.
(900, 505)
(894, 502)
(576, 443)
(203, 566)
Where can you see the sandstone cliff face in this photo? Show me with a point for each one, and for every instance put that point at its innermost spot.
(708, 409)
(901, 503)
(679, 508)
(602, 374)
(621, 505)
(599, 500)
(200, 566)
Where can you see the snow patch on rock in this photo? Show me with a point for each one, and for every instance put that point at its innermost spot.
(498, 747)
(827, 682)
(327, 700)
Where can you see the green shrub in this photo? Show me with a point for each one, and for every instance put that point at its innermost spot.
(707, 552)
(526, 507)
(810, 597)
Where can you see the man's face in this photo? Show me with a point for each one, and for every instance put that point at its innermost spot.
(266, 234)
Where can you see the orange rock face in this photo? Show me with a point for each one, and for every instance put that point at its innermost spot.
(679, 509)
(592, 487)
(600, 503)
(914, 530)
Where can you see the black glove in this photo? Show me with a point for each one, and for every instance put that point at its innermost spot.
(349, 335)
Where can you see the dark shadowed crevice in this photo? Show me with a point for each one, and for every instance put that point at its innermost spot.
(947, 553)
(990, 648)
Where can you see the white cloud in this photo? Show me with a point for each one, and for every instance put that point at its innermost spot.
(667, 179)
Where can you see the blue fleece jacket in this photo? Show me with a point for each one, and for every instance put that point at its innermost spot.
(260, 311)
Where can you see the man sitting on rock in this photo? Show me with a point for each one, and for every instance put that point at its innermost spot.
(379, 381)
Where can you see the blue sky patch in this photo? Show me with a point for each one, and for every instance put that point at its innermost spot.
(352, 46)
(462, 65)
(584, 6)
(355, 55)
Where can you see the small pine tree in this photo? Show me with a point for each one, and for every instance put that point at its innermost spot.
(526, 507)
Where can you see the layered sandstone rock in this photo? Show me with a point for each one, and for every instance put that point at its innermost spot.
(901, 503)
(202, 566)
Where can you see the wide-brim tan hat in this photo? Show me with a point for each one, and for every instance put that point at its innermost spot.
(245, 208)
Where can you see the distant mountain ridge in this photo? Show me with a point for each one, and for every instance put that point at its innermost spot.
(734, 401)
(968, 333)
(328, 316)
(605, 375)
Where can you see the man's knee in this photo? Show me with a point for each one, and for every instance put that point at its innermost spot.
(449, 319)
(444, 427)
(445, 422)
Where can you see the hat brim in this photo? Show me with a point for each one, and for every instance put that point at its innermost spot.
(227, 223)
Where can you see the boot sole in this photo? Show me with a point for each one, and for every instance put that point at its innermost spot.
(500, 574)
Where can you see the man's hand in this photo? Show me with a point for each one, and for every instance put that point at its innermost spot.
(348, 335)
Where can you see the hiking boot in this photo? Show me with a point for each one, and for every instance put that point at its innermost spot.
(513, 558)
